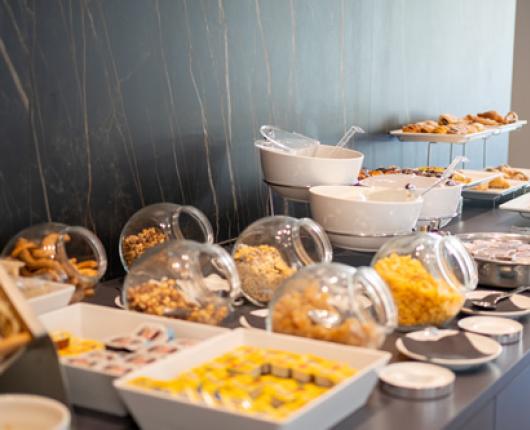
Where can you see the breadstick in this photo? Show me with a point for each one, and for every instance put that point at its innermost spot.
(87, 264)
(21, 245)
(32, 263)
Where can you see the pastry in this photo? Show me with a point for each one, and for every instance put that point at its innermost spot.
(499, 183)
(448, 118)
(511, 117)
(493, 115)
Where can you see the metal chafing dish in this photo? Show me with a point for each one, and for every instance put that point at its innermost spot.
(500, 273)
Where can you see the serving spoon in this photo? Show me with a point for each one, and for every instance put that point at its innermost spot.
(446, 174)
(491, 304)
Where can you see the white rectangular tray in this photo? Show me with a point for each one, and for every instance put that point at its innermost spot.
(442, 138)
(58, 297)
(92, 389)
(478, 176)
(509, 127)
(160, 411)
(520, 204)
(495, 193)
(456, 138)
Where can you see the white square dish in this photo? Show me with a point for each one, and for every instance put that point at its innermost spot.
(58, 295)
(93, 389)
(161, 411)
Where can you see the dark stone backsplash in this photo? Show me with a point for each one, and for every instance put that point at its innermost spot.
(106, 106)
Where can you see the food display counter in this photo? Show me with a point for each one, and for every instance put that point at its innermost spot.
(493, 396)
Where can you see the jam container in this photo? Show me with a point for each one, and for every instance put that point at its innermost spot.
(60, 253)
(428, 275)
(272, 249)
(158, 223)
(183, 279)
(336, 303)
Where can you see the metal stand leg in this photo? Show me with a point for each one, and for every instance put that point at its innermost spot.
(271, 201)
(285, 206)
(484, 145)
(429, 154)
(464, 146)
(451, 153)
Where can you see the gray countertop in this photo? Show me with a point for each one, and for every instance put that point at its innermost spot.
(473, 389)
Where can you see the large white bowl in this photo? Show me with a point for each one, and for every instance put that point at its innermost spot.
(364, 210)
(28, 412)
(441, 202)
(291, 175)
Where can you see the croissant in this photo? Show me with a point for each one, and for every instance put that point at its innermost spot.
(448, 118)
(493, 115)
(441, 129)
(511, 117)
(482, 120)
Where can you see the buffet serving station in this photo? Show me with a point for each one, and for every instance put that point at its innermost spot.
(295, 323)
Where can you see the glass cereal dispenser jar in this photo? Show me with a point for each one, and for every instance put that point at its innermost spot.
(428, 276)
(185, 280)
(272, 249)
(334, 302)
(158, 223)
(60, 253)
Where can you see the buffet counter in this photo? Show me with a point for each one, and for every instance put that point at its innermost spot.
(494, 396)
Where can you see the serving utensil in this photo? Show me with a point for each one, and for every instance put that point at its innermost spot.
(446, 174)
(492, 303)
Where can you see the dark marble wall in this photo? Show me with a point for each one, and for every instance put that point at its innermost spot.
(106, 106)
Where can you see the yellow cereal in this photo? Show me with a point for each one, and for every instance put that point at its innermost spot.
(419, 297)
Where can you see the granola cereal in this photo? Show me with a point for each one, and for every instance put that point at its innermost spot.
(261, 270)
(134, 245)
(165, 298)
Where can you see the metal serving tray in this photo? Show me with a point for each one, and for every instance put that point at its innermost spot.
(496, 273)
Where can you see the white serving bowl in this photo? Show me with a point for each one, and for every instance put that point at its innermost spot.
(291, 175)
(29, 412)
(441, 202)
(364, 210)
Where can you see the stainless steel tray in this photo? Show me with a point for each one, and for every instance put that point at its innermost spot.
(496, 273)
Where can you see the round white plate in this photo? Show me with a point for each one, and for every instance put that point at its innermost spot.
(417, 380)
(484, 344)
(21, 411)
(519, 300)
(501, 329)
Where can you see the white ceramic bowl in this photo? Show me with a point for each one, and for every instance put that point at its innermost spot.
(440, 202)
(28, 412)
(364, 210)
(292, 175)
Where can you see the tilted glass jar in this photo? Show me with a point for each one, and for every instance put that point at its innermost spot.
(334, 302)
(156, 224)
(272, 249)
(428, 275)
(60, 253)
(185, 280)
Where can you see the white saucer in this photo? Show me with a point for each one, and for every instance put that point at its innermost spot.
(503, 330)
(518, 299)
(414, 380)
(484, 344)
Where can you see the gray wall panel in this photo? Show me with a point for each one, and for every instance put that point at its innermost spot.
(133, 102)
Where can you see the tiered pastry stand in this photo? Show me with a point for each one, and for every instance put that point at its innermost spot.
(457, 139)
(34, 368)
